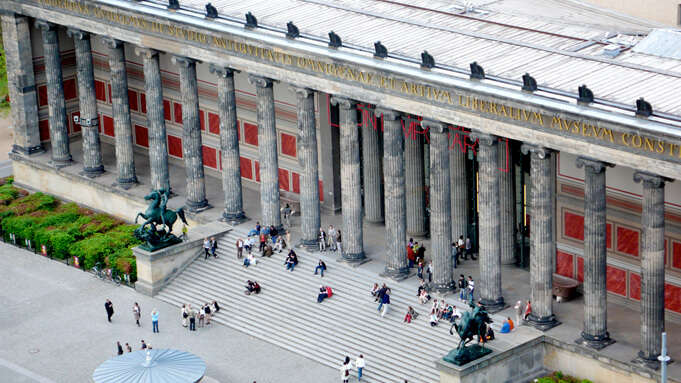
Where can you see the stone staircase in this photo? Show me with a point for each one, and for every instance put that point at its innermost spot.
(286, 313)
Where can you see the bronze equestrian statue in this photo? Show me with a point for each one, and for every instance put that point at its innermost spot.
(157, 214)
(471, 324)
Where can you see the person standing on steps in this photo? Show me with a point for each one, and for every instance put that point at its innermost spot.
(154, 320)
(239, 248)
(528, 310)
(386, 303)
(321, 266)
(359, 363)
(136, 311)
(419, 269)
(471, 288)
(120, 348)
(206, 248)
(185, 314)
(274, 233)
(430, 271)
(338, 241)
(332, 238)
(462, 286)
(213, 247)
(322, 239)
(287, 214)
(109, 309)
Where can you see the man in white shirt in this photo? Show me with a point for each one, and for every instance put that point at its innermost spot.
(471, 287)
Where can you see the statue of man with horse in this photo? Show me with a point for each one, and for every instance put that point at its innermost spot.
(471, 324)
(157, 214)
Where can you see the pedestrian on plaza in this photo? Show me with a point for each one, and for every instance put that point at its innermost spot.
(411, 243)
(185, 314)
(359, 363)
(471, 288)
(184, 233)
(207, 312)
(206, 248)
(215, 308)
(386, 303)
(143, 346)
(345, 372)
(338, 241)
(411, 256)
(419, 269)
(287, 214)
(332, 238)
(455, 254)
(213, 247)
(461, 247)
(136, 311)
(239, 248)
(120, 348)
(528, 310)
(469, 248)
(519, 313)
(154, 320)
(274, 233)
(128, 348)
(201, 315)
(321, 238)
(421, 253)
(321, 266)
(192, 317)
(109, 309)
(462, 287)
(430, 271)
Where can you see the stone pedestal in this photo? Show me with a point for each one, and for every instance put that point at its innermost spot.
(595, 334)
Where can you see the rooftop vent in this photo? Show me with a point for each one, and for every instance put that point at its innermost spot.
(611, 50)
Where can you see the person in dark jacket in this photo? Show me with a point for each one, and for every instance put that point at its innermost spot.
(213, 247)
(385, 301)
(380, 295)
(322, 294)
(321, 266)
(120, 348)
(273, 234)
(109, 309)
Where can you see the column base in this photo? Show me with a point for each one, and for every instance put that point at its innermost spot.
(28, 152)
(397, 275)
(374, 220)
(493, 306)
(126, 184)
(62, 163)
(650, 362)
(543, 323)
(354, 260)
(310, 245)
(594, 341)
(93, 172)
(197, 207)
(443, 289)
(417, 233)
(234, 218)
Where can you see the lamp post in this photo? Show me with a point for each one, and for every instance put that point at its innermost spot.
(664, 358)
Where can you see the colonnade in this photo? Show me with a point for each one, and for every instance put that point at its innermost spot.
(400, 202)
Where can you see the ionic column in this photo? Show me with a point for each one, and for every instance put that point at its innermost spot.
(87, 99)
(229, 145)
(652, 267)
(21, 84)
(309, 168)
(458, 185)
(156, 124)
(373, 170)
(416, 186)
(125, 157)
(440, 207)
(267, 145)
(192, 148)
(541, 241)
(595, 334)
(59, 135)
(506, 205)
(353, 241)
(395, 203)
(488, 194)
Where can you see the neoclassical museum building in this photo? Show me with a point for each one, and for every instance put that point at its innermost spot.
(554, 147)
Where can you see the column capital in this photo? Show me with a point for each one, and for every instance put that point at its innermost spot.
(260, 81)
(301, 92)
(45, 26)
(437, 127)
(591, 165)
(388, 114)
(343, 103)
(147, 52)
(78, 34)
(222, 71)
(112, 43)
(184, 62)
(536, 151)
(484, 138)
(650, 180)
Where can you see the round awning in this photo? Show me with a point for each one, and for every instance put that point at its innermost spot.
(151, 366)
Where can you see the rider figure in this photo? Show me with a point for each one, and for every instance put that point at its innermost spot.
(165, 195)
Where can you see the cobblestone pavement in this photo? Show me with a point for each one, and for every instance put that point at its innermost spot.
(54, 329)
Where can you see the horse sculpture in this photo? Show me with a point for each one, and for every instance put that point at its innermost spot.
(157, 214)
(470, 325)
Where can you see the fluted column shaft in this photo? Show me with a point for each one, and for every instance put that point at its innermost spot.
(192, 148)
(309, 168)
(541, 241)
(267, 145)
(490, 252)
(395, 203)
(595, 332)
(89, 117)
(229, 145)
(125, 158)
(353, 240)
(416, 185)
(59, 135)
(372, 167)
(440, 207)
(506, 204)
(21, 84)
(652, 267)
(458, 181)
(156, 124)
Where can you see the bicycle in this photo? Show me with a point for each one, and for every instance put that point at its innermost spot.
(98, 272)
(111, 275)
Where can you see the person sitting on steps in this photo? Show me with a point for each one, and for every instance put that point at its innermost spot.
(252, 287)
(281, 243)
(323, 293)
(291, 260)
(321, 266)
(268, 251)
